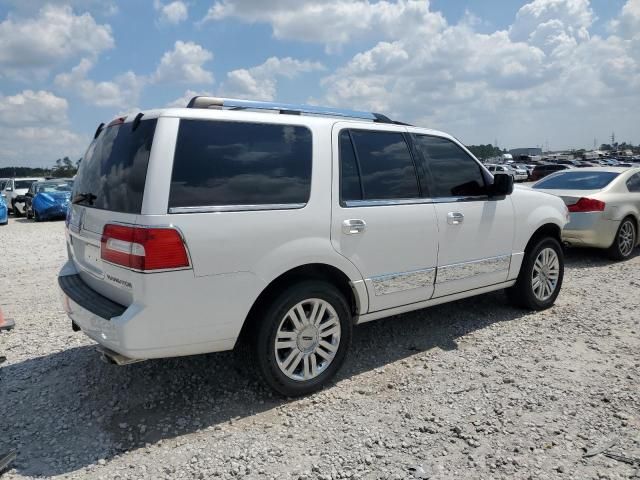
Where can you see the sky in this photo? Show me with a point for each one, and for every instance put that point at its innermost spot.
(556, 73)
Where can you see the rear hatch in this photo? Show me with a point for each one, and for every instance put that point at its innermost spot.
(108, 188)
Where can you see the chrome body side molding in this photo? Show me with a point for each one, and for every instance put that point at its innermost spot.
(398, 282)
(461, 271)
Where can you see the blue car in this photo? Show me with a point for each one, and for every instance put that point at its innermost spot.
(48, 200)
(4, 212)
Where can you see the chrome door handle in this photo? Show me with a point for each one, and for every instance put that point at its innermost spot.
(455, 218)
(353, 227)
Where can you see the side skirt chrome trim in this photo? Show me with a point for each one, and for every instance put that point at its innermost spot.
(428, 303)
(461, 271)
(399, 282)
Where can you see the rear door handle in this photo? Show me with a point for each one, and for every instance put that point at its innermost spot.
(455, 218)
(353, 226)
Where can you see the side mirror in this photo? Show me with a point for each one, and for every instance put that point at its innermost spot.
(502, 185)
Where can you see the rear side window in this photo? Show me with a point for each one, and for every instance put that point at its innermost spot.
(376, 166)
(633, 184)
(114, 168)
(453, 172)
(240, 163)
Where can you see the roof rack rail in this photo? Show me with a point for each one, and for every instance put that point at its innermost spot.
(284, 108)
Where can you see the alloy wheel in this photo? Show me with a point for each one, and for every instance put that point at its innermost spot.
(626, 238)
(545, 274)
(307, 339)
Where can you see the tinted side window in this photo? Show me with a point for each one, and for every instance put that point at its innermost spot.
(350, 188)
(386, 167)
(633, 184)
(453, 172)
(239, 163)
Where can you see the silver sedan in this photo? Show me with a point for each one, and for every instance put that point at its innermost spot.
(604, 206)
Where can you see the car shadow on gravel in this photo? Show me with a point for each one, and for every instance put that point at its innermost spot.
(69, 410)
(582, 258)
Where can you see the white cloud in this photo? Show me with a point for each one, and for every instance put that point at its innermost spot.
(184, 64)
(183, 100)
(546, 77)
(122, 92)
(56, 34)
(173, 12)
(332, 22)
(106, 8)
(35, 129)
(260, 82)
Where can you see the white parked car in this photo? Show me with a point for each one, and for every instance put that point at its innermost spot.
(519, 175)
(604, 206)
(281, 227)
(13, 193)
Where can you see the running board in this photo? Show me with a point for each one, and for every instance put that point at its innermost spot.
(114, 358)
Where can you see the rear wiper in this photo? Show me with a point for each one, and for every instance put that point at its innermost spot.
(87, 197)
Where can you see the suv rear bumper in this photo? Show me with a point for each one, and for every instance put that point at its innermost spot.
(131, 331)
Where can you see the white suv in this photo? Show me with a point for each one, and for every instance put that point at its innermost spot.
(281, 227)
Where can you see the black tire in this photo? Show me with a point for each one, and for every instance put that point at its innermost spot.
(29, 214)
(36, 217)
(522, 294)
(16, 212)
(616, 251)
(265, 329)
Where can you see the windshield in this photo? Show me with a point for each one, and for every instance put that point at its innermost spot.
(114, 169)
(22, 184)
(51, 187)
(573, 180)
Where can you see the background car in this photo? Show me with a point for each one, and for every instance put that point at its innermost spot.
(14, 190)
(48, 200)
(517, 174)
(604, 207)
(4, 212)
(541, 171)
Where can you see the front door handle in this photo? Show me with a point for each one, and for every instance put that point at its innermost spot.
(455, 218)
(353, 226)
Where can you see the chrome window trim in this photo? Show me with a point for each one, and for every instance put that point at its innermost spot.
(464, 270)
(237, 208)
(402, 281)
(477, 198)
(384, 203)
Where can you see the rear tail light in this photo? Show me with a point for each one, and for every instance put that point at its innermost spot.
(587, 205)
(143, 248)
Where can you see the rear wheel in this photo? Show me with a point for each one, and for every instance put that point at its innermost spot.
(540, 277)
(625, 240)
(303, 338)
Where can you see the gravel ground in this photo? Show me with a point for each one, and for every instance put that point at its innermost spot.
(473, 389)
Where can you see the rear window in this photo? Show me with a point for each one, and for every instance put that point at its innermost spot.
(240, 163)
(577, 181)
(114, 169)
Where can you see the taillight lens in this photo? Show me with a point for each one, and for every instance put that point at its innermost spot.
(587, 205)
(142, 248)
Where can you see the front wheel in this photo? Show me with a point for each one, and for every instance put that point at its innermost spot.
(540, 277)
(625, 240)
(303, 338)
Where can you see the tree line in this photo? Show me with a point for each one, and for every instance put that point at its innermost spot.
(62, 168)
